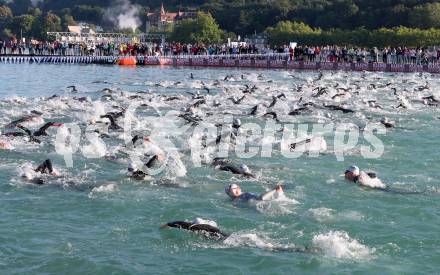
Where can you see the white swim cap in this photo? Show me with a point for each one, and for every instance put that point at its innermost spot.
(203, 221)
(131, 167)
(353, 169)
(236, 122)
(245, 169)
(228, 189)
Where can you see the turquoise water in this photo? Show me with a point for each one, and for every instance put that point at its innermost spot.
(58, 229)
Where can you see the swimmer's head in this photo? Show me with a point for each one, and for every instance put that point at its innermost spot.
(233, 190)
(245, 169)
(203, 221)
(236, 122)
(131, 167)
(352, 172)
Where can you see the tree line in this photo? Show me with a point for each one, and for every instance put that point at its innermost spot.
(313, 22)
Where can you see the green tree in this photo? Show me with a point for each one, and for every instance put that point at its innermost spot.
(67, 20)
(5, 12)
(202, 29)
(22, 25)
(5, 19)
(46, 23)
(425, 16)
(20, 7)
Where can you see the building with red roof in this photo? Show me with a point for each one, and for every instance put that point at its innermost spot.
(163, 18)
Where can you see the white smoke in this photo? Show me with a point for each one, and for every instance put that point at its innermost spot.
(124, 15)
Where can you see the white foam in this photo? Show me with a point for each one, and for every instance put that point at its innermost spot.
(322, 214)
(338, 244)
(247, 239)
(106, 188)
(365, 180)
(175, 166)
(96, 147)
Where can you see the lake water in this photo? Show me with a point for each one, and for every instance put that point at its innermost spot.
(109, 223)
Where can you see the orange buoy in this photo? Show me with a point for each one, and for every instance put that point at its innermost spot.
(127, 61)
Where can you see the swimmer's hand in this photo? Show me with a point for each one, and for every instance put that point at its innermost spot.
(55, 173)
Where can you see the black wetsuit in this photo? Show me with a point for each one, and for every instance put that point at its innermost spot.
(45, 167)
(139, 174)
(235, 170)
(211, 231)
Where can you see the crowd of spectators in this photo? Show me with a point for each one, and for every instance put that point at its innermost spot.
(390, 55)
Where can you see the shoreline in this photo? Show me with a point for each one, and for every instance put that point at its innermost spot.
(204, 61)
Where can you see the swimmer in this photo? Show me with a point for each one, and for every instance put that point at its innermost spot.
(136, 173)
(113, 125)
(387, 123)
(210, 230)
(140, 174)
(26, 119)
(5, 145)
(199, 226)
(235, 193)
(45, 168)
(42, 130)
(353, 174)
(370, 180)
(241, 170)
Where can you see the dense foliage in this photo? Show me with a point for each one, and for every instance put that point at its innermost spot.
(365, 22)
(202, 29)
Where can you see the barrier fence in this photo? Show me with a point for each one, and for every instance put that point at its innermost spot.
(275, 61)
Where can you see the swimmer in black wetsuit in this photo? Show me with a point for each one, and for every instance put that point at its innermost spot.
(235, 193)
(370, 180)
(139, 174)
(224, 165)
(353, 174)
(212, 232)
(45, 168)
(206, 229)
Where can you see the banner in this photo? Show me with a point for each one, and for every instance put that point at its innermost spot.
(310, 65)
(293, 65)
(276, 64)
(213, 62)
(415, 68)
(327, 65)
(182, 62)
(397, 67)
(244, 63)
(433, 68)
(344, 66)
(198, 61)
(151, 60)
(360, 66)
(260, 63)
(379, 67)
(229, 63)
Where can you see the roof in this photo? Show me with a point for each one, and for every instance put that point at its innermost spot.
(80, 29)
